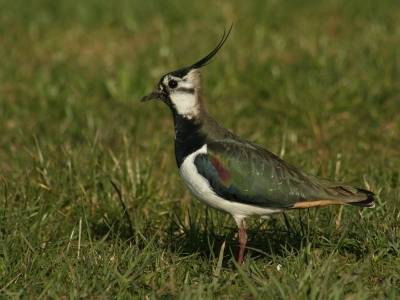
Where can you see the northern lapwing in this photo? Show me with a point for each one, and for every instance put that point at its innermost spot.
(231, 174)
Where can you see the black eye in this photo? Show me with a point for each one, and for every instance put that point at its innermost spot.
(172, 83)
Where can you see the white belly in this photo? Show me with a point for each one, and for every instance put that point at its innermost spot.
(201, 189)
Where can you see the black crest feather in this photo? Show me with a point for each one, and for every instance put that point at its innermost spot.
(206, 60)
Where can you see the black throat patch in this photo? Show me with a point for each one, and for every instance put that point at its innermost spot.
(188, 137)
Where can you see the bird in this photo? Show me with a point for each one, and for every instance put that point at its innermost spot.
(231, 174)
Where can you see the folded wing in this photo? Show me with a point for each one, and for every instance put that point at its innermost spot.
(249, 174)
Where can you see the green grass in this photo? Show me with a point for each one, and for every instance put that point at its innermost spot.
(317, 83)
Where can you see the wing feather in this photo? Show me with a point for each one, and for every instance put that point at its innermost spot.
(247, 173)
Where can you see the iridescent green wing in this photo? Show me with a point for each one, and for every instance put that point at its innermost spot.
(246, 173)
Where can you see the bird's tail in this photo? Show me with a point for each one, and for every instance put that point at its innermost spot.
(346, 195)
(369, 202)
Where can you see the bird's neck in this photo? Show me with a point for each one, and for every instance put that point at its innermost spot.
(189, 136)
(191, 133)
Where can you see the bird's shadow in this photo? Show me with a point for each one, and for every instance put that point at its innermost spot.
(204, 236)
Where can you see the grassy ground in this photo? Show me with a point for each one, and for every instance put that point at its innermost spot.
(316, 83)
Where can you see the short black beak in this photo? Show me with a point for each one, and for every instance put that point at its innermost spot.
(153, 95)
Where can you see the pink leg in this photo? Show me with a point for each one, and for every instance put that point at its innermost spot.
(242, 245)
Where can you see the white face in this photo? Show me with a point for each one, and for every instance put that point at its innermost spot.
(183, 93)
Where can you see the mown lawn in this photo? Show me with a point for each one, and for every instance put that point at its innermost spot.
(317, 83)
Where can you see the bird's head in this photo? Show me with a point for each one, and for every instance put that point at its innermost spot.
(181, 90)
